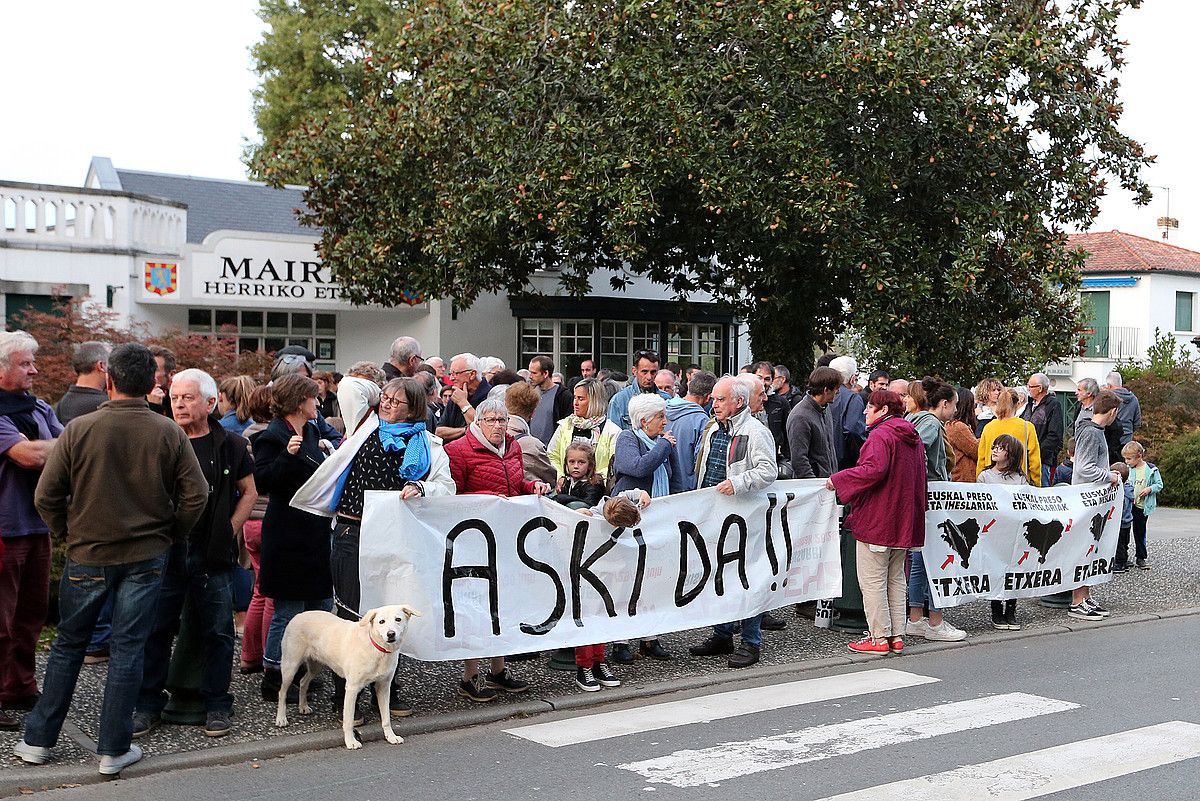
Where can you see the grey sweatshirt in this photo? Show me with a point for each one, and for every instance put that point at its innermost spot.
(1091, 454)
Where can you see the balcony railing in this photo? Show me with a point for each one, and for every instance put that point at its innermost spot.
(1113, 342)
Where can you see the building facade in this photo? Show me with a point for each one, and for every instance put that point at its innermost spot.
(229, 258)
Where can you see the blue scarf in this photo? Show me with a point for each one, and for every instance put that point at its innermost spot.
(662, 480)
(409, 439)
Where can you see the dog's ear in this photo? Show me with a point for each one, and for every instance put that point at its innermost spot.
(368, 618)
(409, 611)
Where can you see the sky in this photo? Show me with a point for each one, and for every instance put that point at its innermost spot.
(166, 86)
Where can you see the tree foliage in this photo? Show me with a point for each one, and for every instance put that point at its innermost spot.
(905, 168)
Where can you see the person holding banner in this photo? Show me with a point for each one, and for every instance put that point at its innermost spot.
(736, 454)
(1008, 459)
(487, 460)
(589, 422)
(390, 451)
(930, 403)
(1092, 467)
(886, 490)
(646, 459)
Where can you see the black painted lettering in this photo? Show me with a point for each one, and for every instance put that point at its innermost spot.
(228, 270)
(636, 594)
(689, 533)
(581, 570)
(738, 555)
(560, 594)
(487, 572)
(312, 272)
(772, 502)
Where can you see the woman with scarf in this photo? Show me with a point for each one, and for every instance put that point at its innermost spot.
(887, 492)
(589, 422)
(391, 451)
(486, 460)
(646, 458)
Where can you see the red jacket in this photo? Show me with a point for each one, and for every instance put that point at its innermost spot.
(886, 490)
(478, 470)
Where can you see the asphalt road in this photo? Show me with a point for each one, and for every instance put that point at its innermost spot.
(1118, 709)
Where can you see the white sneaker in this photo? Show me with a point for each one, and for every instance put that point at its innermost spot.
(918, 629)
(1096, 607)
(31, 754)
(112, 765)
(945, 632)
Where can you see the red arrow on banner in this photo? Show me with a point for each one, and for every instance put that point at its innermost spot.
(1110, 513)
(1024, 556)
(949, 559)
(989, 525)
(1090, 549)
(1069, 522)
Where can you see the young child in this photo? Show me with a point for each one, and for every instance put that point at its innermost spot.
(592, 670)
(582, 487)
(1008, 458)
(1121, 560)
(1062, 473)
(1147, 483)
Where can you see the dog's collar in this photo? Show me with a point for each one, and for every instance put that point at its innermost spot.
(378, 647)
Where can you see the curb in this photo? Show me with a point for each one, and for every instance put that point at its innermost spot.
(49, 778)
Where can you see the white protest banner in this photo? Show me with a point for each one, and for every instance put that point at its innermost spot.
(990, 541)
(493, 576)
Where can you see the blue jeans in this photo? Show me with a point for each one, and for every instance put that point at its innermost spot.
(284, 612)
(103, 630)
(211, 599)
(82, 592)
(751, 630)
(919, 591)
(1046, 482)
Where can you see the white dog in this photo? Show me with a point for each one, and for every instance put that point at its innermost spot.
(362, 653)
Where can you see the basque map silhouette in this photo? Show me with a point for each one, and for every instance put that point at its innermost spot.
(1043, 536)
(961, 537)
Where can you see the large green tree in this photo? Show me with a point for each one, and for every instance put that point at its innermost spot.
(905, 168)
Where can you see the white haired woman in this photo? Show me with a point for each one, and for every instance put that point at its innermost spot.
(590, 423)
(487, 460)
(390, 451)
(646, 458)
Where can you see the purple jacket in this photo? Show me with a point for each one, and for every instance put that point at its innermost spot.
(886, 490)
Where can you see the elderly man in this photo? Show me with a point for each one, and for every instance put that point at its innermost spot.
(404, 360)
(120, 488)
(200, 568)
(1130, 413)
(555, 403)
(665, 380)
(27, 431)
(1086, 392)
(1044, 411)
(849, 426)
(90, 364)
(470, 390)
(735, 433)
(645, 368)
(439, 367)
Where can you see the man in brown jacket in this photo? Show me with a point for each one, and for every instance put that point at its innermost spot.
(121, 485)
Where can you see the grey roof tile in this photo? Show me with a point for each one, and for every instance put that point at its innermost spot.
(215, 204)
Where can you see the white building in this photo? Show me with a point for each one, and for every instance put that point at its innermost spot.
(214, 256)
(1131, 287)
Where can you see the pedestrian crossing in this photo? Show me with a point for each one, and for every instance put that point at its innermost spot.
(1033, 774)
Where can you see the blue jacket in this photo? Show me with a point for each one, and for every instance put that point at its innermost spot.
(686, 421)
(1127, 510)
(618, 407)
(849, 426)
(1155, 482)
(634, 464)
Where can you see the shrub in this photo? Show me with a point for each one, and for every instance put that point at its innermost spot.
(1180, 467)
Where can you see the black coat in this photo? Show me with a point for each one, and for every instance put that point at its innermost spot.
(295, 544)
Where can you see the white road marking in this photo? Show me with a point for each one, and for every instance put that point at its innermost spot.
(600, 726)
(1049, 770)
(693, 768)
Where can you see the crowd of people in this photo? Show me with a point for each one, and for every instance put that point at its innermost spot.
(161, 481)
